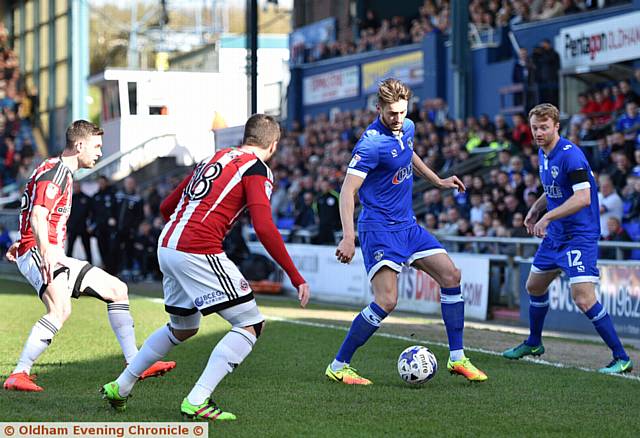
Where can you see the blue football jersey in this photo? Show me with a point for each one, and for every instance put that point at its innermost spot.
(555, 169)
(384, 161)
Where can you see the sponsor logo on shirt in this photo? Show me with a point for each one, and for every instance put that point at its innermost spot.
(403, 174)
(553, 191)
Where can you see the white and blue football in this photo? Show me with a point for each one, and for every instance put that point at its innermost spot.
(417, 364)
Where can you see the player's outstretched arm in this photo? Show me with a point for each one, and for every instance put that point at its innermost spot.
(580, 199)
(423, 171)
(347, 246)
(270, 238)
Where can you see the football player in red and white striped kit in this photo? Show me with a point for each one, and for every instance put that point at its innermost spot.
(46, 205)
(199, 279)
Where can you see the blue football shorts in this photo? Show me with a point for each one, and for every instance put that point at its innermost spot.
(394, 248)
(578, 258)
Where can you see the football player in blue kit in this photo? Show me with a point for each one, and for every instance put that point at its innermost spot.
(381, 173)
(567, 217)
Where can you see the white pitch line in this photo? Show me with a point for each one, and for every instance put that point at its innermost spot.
(442, 344)
(439, 344)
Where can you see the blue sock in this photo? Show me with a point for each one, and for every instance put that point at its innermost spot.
(452, 306)
(538, 308)
(603, 324)
(363, 326)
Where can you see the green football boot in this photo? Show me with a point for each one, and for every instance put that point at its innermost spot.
(617, 366)
(110, 392)
(523, 350)
(206, 411)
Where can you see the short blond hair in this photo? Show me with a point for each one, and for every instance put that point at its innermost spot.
(545, 111)
(392, 90)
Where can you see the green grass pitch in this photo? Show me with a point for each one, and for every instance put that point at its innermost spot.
(280, 390)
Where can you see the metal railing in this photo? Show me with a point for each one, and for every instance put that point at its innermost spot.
(122, 164)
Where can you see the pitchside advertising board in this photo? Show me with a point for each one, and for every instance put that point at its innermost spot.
(605, 41)
(336, 282)
(337, 84)
(619, 293)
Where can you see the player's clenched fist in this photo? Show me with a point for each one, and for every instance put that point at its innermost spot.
(346, 250)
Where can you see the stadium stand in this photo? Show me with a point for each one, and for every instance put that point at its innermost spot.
(434, 17)
(17, 110)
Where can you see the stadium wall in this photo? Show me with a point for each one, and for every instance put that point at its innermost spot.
(339, 283)
(297, 109)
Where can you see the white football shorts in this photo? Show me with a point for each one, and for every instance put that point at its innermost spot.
(208, 283)
(29, 265)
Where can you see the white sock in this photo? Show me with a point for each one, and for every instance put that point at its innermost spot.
(336, 365)
(154, 348)
(225, 357)
(122, 325)
(456, 355)
(39, 339)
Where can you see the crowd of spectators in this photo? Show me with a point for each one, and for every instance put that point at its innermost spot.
(16, 115)
(434, 16)
(311, 161)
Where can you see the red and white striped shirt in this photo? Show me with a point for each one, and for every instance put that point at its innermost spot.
(205, 205)
(50, 186)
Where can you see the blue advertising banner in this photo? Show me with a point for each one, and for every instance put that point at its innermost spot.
(619, 293)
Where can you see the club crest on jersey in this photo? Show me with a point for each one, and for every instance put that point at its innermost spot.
(52, 191)
(394, 153)
(355, 160)
(268, 189)
(402, 174)
(378, 255)
(554, 171)
(244, 286)
(410, 143)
